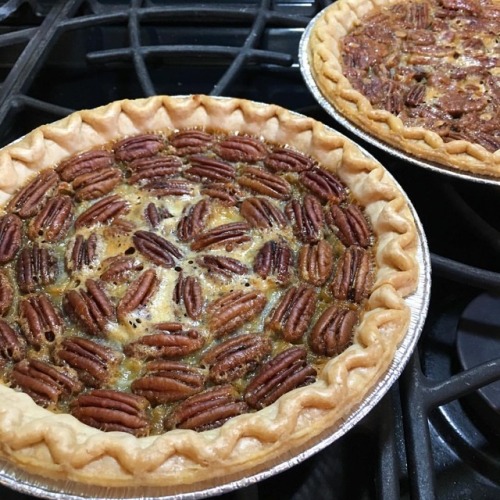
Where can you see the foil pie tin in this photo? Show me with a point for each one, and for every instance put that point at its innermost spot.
(31, 484)
(308, 76)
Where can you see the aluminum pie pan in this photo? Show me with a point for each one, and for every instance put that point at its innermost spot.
(307, 74)
(28, 483)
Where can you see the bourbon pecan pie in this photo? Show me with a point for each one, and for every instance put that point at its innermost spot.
(421, 75)
(190, 287)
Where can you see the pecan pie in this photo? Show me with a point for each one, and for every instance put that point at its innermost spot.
(421, 75)
(190, 286)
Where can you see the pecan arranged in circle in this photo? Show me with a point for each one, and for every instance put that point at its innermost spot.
(235, 357)
(168, 381)
(307, 218)
(95, 184)
(226, 235)
(261, 213)
(207, 410)
(169, 187)
(265, 183)
(93, 362)
(155, 215)
(31, 198)
(194, 221)
(53, 221)
(85, 163)
(226, 193)
(353, 279)
(324, 185)
(11, 231)
(294, 312)
(118, 269)
(6, 294)
(138, 294)
(233, 310)
(316, 263)
(207, 169)
(172, 342)
(102, 212)
(188, 290)
(332, 333)
(45, 383)
(81, 253)
(241, 148)
(36, 267)
(223, 266)
(156, 249)
(288, 160)
(190, 142)
(139, 146)
(349, 224)
(12, 345)
(274, 258)
(287, 371)
(146, 170)
(91, 308)
(110, 410)
(39, 320)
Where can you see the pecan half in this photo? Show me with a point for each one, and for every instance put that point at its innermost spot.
(155, 215)
(332, 333)
(138, 294)
(102, 212)
(324, 185)
(11, 231)
(12, 345)
(226, 193)
(223, 266)
(207, 169)
(226, 235)
(53, 221)
(156, 249)
(265, 183)
(288, 160)
(349, 224)
(119, 227)
(31, 198)
(91, 308)
(188, 290)
(172, 342)
(110, 410)
(241, 148)
(39, 320)
(119, 269)
(93, 362)
(262, 213)
(287, 371)
(274, 258)
(316, 263)
(6, 294)
(168, 381)
(307, 218)
(36, 267)
(45, 383)
(170, 187)
(353, 277)
(227, 314)
(293, 314)
(81, 253)
(146, 170)
(95, 184)
(85, 163)
(139, 146)
(207, 410)
(194, 221)
(236, 357)
(189, 142)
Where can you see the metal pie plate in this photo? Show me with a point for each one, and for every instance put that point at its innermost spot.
(308, 76)
(418, 302)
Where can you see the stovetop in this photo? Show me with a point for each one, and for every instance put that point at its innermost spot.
(433, 435)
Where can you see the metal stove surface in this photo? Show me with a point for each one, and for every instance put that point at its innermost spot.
(426, 439)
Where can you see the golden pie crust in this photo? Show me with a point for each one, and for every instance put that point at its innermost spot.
(325, 58)
(59, 446)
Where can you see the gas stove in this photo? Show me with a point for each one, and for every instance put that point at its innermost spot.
(436, 433)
